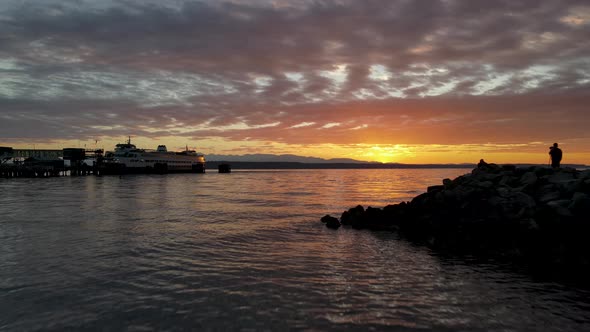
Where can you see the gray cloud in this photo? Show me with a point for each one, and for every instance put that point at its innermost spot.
(215, 68)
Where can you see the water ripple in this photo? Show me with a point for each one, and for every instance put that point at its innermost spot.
(245, 251)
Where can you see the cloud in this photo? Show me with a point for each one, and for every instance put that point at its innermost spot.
(456, 71)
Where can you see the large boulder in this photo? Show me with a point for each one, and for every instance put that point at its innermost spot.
(331, 222)
(560, 177)
(432, 189)
(580, 205)
(561, 207)
(508, 180)
(448, 183)
(352, 216)
(528, 178)
(550, 196)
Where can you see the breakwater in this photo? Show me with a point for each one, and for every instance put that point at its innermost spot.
(535, 214)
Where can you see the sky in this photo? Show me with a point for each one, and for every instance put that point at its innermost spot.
(410, 81)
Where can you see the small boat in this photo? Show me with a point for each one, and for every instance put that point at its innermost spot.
(224, 168)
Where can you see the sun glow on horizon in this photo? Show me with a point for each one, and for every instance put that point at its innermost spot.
(388, 153)
(533, 152)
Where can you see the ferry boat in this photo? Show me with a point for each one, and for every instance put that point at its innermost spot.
(127, 158)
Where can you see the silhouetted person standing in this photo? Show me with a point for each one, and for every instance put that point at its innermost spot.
(556, 155)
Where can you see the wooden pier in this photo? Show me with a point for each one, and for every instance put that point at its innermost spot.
(32, 163)
(45, 171)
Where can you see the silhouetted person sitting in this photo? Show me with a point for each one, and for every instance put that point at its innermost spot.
(556, 155)
(482, 164)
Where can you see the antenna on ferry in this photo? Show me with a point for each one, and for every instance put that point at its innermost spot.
(129, 140)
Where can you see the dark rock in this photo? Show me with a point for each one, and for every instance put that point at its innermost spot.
(504, 191)
(526, 205)
(358, 210)
(447, 183)
(530, 224)
(435, 188)
(486, 184)
(529, 178)
(325, 218)
(352, 216)
(561, 207)
(373, 218)
(464, 192)
(346, 218)
(419, 200)
(573, 186)
(331, 222)
(486, 168)
(450, 196)
(560, 177)
(509, 168)
(580, 205)
(508, 180)
(524, 200)
(579, 197)
(541, 171)
(550, 196)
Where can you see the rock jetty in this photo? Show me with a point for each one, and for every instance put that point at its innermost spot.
(533, 213)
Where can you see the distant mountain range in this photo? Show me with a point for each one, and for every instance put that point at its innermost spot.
(290, 161)
(289, 158)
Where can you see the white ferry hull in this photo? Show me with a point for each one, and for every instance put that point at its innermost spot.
(128, 159)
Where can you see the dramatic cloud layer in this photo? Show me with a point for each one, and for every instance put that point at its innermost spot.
(384, 80)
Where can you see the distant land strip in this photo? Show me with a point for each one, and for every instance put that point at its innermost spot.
(300, 165)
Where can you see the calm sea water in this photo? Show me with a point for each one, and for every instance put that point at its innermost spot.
(246, 251)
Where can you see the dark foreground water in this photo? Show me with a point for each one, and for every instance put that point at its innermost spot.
(246, 251)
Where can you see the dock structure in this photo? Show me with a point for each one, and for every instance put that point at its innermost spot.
(15, 163)
(33, 170)
(37, 154)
